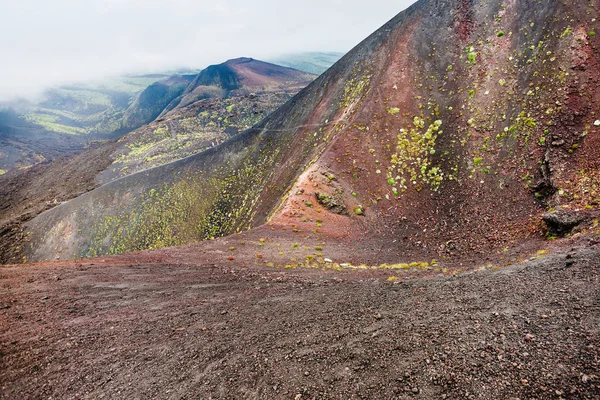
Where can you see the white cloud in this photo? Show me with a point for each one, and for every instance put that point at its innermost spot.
(49, 42)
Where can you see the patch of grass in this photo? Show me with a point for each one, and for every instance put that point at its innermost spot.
(541, 253)
(412, 163)
(566, 32)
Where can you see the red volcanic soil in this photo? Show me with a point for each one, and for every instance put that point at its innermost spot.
(253, 73)
(190, 323)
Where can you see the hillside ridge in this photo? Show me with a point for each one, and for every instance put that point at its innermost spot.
(427, 147)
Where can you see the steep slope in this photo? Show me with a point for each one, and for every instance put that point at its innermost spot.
(154, 99)
(447, 132)
(28, 193)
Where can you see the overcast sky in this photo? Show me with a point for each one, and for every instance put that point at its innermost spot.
(48, 42)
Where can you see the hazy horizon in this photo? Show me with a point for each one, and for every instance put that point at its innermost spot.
(68, 41)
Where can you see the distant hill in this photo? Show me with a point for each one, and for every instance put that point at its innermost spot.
(313, 62)
(89, 109)
(241, 76)
(150, 103)
(66, 119)
(196, 112)
(189, 130)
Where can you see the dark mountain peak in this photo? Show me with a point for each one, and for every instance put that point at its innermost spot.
(221, 75)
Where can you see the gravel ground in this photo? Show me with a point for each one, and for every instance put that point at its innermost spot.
(221, 331)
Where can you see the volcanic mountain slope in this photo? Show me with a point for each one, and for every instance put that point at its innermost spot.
(449, 131)
(23, 144)
(180, 133)
(225, 100)
(241, 76)
(190, 130)
(150, 103)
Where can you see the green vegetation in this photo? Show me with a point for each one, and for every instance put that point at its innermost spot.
(566, 32)
(51, 123)
(355, 87)
(191, 209)
(193, 131)
(88, 108)
(471, 55)
(411, 164)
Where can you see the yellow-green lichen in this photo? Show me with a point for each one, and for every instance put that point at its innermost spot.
(412, 164)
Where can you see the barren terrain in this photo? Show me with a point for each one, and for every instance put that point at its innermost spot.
(189, 323)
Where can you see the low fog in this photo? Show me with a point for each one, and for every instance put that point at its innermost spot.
(46, 43)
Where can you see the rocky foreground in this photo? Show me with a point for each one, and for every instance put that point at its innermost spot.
(106, 328)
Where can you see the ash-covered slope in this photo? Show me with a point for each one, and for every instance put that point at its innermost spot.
(448, 131)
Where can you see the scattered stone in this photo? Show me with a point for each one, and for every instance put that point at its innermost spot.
(529, 337)
(562, 222)
(332, 203)
(597, 122)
